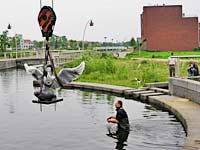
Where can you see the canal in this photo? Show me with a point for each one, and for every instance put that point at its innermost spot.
(79, 122)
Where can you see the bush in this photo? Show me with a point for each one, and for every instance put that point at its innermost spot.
(103, 63)
(144, 62)
(197, 49)
(103, 68)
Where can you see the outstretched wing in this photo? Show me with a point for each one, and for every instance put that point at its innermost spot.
(36, 73)
(67, 75)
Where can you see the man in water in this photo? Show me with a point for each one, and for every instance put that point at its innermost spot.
(122, 121)
(121, 117)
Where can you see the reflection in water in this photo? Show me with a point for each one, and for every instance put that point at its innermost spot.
(8, 86)
(79, 122)
(122, 137)
(119, 134)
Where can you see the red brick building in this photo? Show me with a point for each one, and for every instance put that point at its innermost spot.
(165, 28)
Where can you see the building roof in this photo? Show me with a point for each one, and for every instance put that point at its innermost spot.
(154, 6)
(27, 41)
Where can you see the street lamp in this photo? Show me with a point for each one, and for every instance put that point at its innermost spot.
(105, 39)
(105, 42)
(112, 42)
(91, 24)
(9, 28)
(56, 41)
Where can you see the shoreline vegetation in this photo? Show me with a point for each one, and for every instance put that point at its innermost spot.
(104, 68)
(160, 55)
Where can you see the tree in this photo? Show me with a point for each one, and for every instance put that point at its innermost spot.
(132, 42)
(62, 42)
(90, 46)
(73, 44)
(14, 41)
(38, 44)
(52, 41)
(4, 41)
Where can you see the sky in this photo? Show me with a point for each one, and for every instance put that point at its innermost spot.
(114, 19)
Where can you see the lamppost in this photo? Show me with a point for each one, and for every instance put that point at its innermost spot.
(112, 42)
(105, 38)
(56, 41)
(105, 42)
(89, 22)
(9, 28)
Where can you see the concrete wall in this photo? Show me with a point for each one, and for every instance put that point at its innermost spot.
(185, 88)
(31, 61)
(6, 64)
(165, 28)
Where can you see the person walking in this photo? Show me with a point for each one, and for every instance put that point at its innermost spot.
(172, 63)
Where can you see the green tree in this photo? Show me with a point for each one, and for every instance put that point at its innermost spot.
(14, 41)
(132, 42)
(90, 46)
(4, 41)
(52, 41)
(38, 44)
(73, 44)
(63, 42)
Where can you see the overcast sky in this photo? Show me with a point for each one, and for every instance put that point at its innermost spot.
(115, 19)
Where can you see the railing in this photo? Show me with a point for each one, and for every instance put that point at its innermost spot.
(20, 54)
(66, 56)
(59, 56)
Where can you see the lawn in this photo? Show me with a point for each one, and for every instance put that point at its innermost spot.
(160, 55)
(104, 68)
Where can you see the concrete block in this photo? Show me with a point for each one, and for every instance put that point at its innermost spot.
(136, 95)
(192, 85)
(181, 83)
(160, 90)
(157, 84)
(198, 86)
(180, 91)
(197, 98)
(145, 97)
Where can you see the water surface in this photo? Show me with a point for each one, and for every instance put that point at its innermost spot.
(79, 123)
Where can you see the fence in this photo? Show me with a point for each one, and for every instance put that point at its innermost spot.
(20, 54)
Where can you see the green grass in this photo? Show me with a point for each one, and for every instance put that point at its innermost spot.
(160, 55)
(103, 68)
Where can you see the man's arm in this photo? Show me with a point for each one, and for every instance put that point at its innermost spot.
(112, 119)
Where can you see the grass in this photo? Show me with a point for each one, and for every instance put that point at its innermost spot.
(160, 55)
(103, 68)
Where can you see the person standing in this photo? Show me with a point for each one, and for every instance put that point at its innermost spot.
(172, 64)
(121, 119)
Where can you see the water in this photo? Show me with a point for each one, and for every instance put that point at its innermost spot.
(79, 123)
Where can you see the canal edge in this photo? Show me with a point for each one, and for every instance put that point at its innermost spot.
(186, 111)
